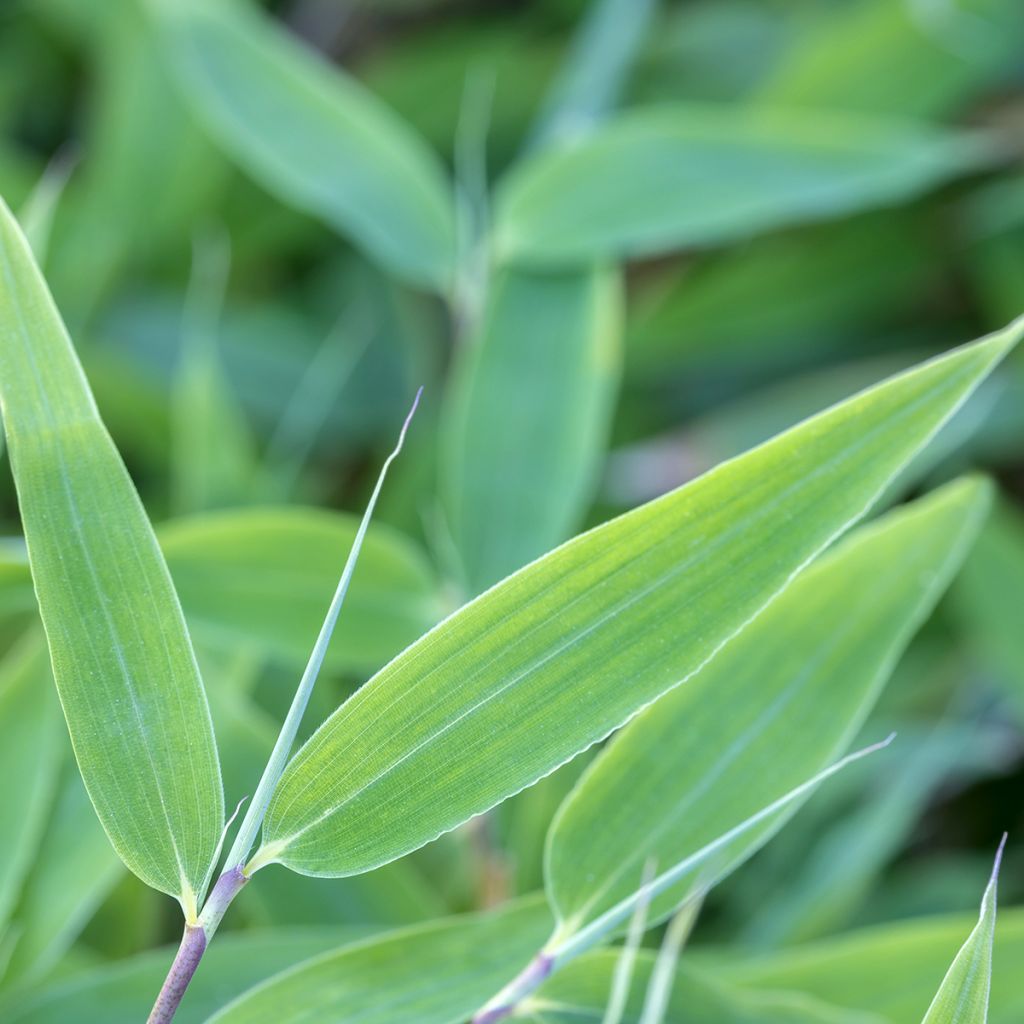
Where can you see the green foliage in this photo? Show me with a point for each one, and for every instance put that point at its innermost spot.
(128, 682)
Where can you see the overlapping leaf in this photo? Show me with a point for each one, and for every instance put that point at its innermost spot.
(527, 417)
(121, 656)
(682, 176)
(775, 707)
(563, 652)
(312, 135)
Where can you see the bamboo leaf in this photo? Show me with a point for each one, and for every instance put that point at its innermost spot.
(963, 995)
(527, 417)
(563, 652)
(429, 974)
(781, 702)
(679, 176)
(121, 656)
(312, 135)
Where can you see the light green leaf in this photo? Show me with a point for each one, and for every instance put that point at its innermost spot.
(312, 135)
(121, 656)
(681, 176)
(527, 417)
(557, 656)
(29, 760)
(781, 702)
(963, 995)
(262, 578)
(432, 974)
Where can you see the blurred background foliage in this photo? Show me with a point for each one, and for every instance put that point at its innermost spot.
(253, 359)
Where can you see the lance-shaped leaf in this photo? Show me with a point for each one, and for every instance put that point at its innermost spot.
(963, 995)
(777, 705)
(555, 657)
(432, 974)
(312, 135)
(527, 417)
(29, 760)
(122, 659)
(685, 175)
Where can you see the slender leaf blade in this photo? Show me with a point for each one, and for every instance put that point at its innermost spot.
(431, 974)
(781, 702)
(122, 659)
(679, 176)
(527, 417)
(563, 652)
(964, 993)
(313, 136)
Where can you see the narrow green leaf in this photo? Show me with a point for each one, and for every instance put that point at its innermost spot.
(122, 660)
(963, 995)
(432, 974)
(29, 760)
(312, 135)
(673, 177)
(557, 656)
(527, 417)
(595, 69)
(780, 703)
(262, 578)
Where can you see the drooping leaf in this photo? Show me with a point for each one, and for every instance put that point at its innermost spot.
(563, 652)
(527, 417)
(122, 659)
(29, 760)
(680, 176)
(312, 135)
(963, 995)
(432, 974)
(776, 706)
(263, 577)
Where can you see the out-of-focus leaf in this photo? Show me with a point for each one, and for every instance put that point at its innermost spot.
(213, 456)
(580, 993)
(312, 135)
(596, 66)
(122, 659)
(122, 993)
(685, 175)
(264, 577)
(433, 974)
(776, 706)
(72, 872)
(29, 759)
(963, 995)
(527, 417)
(921, 60)
(491, 700)
(856, 970)
(989, 597)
